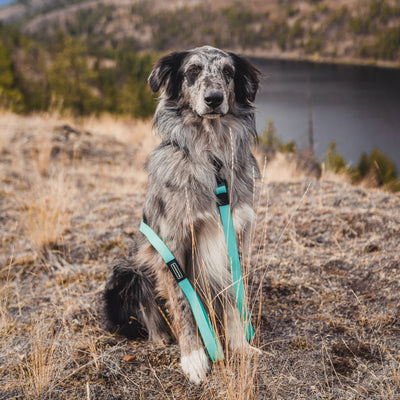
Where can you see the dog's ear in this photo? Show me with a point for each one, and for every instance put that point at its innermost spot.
(247, 78)
(166, 74)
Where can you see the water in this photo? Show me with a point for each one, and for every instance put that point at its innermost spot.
(6, 2)
(358, 107)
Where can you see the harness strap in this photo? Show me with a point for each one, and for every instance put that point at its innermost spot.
(234, 260)
(205, 327)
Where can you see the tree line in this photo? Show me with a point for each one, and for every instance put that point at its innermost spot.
(70, 74)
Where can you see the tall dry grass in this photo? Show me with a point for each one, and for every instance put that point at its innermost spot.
(7, 290)
(40, 367)
(46, 209)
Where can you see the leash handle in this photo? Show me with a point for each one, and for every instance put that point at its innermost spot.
(207, 332)
(234, 260)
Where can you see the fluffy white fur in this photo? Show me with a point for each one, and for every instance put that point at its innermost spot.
(195, 365)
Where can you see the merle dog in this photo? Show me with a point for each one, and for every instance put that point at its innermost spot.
(205, 117)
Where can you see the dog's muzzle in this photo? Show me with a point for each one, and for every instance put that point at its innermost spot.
(214, 99)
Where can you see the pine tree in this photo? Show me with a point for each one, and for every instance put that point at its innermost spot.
(10, 96)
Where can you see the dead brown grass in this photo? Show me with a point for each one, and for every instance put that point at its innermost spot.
(39, 368)
(323, 282)
(46, 209)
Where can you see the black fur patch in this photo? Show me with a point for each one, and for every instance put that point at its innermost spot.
(246, 80)
(166, 73)
(128, 290)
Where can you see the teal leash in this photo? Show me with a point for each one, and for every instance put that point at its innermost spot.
(234, 260)
(207, 332)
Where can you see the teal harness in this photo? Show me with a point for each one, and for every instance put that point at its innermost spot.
(207, 332)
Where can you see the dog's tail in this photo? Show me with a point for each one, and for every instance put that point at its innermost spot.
(130, 305)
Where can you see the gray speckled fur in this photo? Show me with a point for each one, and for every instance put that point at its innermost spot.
(181, 205)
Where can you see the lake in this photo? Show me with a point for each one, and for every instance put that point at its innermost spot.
(356, 106)
(6, 2)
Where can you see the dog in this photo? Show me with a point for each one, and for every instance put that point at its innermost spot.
(205, 117)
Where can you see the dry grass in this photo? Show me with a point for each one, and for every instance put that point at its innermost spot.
(126, 130)
(280, 170)
(7, 327)
(39, 368)
(47, 209)
(330, 176)
(323, 282)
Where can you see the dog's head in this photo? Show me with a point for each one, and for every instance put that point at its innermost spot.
(206, 80)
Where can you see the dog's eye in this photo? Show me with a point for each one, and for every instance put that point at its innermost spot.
(228, 72)
(194, 70)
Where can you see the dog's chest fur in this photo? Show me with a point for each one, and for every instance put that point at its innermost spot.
(181, 195)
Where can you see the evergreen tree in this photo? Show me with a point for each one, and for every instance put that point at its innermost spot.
(10, 96)
(72, 80)
(334, 160)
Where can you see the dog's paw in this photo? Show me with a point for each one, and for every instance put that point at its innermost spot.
(195, 365)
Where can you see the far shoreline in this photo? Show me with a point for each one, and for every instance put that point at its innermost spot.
(319, 59)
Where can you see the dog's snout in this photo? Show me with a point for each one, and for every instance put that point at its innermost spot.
(214, 98)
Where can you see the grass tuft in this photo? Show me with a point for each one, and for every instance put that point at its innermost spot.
(39, 367)
(46, 210)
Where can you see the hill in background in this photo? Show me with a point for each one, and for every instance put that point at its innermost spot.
(338, 30)
(94, 56)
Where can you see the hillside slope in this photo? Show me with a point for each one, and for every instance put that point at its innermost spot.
(345, 31)
(324, 280)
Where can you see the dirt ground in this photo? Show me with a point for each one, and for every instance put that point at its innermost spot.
(324, 277)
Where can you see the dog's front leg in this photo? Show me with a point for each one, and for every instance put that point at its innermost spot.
(194, 361)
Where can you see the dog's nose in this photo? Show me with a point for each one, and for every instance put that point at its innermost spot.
(214, 98)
